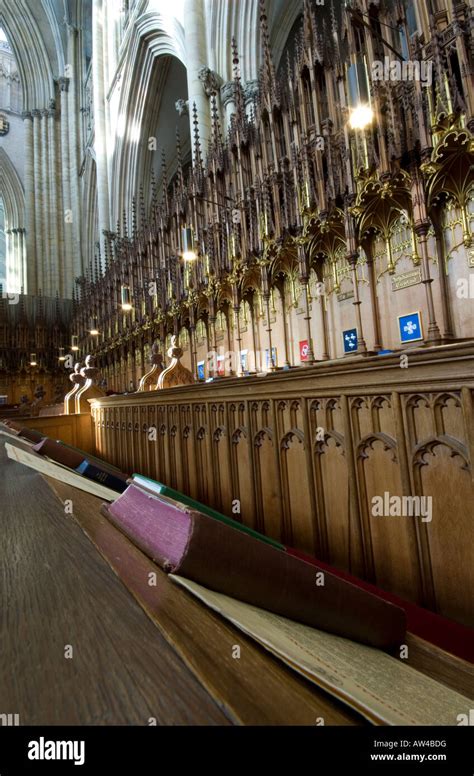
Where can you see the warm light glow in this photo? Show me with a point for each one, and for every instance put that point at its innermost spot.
(125, 299)
(62, 357)
(361, 117)
(33, 359)
(94, 331)
(188, 253)
(74, 341)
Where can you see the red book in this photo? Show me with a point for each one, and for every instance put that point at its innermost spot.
(59, 453)
(23, 431)
(193, 545)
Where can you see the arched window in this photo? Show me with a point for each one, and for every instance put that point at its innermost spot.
(12, 197)
(3, 248)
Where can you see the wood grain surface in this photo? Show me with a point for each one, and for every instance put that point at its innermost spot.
(56, 591)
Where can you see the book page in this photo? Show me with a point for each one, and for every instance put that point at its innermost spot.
(382, 688)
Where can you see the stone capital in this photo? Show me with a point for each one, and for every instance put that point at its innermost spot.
(251, 90)
(227, 91)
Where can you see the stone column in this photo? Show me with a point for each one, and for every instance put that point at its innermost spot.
(31, 283)
(227, 91)
(57, 246)
(196, 55)
(23, 261)
(66, 226)
(250, 95)
(74, 117)
(100, 142)
(38, 196)
(45, 235)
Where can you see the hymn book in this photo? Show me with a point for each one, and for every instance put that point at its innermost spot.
(383, 689)
(158, 488)
(184, 541)
(59, 472)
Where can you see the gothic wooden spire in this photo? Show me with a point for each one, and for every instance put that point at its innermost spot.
(269, 83)
(240, 115)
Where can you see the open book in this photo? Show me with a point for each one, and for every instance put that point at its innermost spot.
(381, 688)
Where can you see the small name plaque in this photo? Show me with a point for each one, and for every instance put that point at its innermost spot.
(406, 279)
(345, 295)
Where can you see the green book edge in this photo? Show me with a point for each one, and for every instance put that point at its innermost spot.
(165, 490)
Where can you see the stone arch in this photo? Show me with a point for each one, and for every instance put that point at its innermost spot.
(90, 223)
(153, 37)
(31, 54)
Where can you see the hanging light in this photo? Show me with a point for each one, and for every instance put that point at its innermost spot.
(33, 361)
(94, 331)
(74, 342)
(361, 116)
(187, 239)
(62, 357)
(125, 299)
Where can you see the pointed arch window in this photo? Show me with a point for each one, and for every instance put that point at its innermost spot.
(3, 247)
(12, 228)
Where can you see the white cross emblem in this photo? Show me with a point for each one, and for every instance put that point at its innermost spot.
(410, 327)
(350, 340)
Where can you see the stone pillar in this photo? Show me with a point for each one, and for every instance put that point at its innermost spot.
(24, 264)
(100, 142)
(31, 281)
(250, 95)
(57, 268)
(38, 195)
(66, 226)
(73, 120)
(227, 91)
(196, 55)
(45, 235)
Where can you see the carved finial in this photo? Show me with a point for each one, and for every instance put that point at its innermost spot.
(238, 92)
(216, 141)
(268, 69)
(197, 141)
(78, 381)
(143, 218)
(180, 161)
(153, 187)
(134, 217)
(176, 374)
(90, 371)
(149, 380)
(90, 389)
(76, 377)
